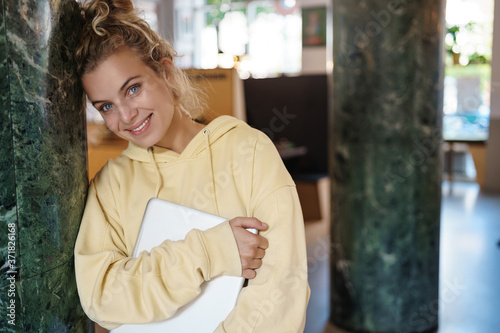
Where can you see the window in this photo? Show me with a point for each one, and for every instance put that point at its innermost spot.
(149, 9)
(468, 71)
(259, 38)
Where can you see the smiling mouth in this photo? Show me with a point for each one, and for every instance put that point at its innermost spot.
(141, 126)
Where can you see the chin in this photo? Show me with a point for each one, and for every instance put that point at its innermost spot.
(143, 144)
(147, 142)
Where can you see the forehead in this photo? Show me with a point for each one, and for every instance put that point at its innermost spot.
(110, 74)
(118, 63)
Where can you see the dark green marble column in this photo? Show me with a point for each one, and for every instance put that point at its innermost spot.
(386, 166)
(43, 159)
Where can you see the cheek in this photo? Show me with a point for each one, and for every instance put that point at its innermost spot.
(111, 122)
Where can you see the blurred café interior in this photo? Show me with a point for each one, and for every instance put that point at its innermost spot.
(259, 59)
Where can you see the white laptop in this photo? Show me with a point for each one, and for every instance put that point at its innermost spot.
(165, 220)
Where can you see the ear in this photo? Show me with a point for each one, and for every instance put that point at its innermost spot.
(167, 65)
(167, 62)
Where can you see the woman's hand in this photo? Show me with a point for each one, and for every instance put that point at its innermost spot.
(251, 247)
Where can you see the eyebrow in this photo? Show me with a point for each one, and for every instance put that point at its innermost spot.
(121, 88)
(127, 82)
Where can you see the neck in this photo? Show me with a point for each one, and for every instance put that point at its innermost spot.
(180, 132)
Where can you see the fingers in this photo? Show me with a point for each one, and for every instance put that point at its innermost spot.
(255, 263)
(249, 274)
(255, 247)
(252, 262)
(259, 253)
(249, 223)
(251, 247)
(263, 243)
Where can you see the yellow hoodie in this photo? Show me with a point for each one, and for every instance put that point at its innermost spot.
(228, 169)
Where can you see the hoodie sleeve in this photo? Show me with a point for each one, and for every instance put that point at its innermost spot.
(151, 287)
(276, 300)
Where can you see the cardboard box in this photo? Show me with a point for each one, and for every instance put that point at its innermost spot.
(224, 90)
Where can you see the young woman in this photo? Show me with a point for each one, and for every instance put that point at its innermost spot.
(222, 167)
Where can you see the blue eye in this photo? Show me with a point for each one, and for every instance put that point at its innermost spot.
(106, 107)
(134, 90)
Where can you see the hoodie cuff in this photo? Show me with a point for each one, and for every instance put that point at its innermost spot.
(222, 250)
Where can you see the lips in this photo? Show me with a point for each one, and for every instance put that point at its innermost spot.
(141, 127)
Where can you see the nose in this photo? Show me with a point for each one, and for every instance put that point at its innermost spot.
(127, 113)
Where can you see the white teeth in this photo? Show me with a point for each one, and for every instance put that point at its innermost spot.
(142, 125)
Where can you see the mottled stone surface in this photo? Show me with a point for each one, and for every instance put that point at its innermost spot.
(43, 154)
(386, 164)
(9, 283)
(55, 303)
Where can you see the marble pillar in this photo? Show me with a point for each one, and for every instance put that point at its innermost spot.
(44, 170)
(386, 164)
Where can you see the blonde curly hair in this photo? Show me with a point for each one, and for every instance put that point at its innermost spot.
(112, 25)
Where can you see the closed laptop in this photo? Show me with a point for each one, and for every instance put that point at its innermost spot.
(165, 220)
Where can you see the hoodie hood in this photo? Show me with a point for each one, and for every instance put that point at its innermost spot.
(213, 131)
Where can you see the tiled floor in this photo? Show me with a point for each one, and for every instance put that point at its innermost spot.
(469, 272)
(470, 260)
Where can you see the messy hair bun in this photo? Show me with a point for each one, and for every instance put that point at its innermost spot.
(112, 25)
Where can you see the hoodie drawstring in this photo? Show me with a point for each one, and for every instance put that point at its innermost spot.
(206, 134)
(151, 151)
